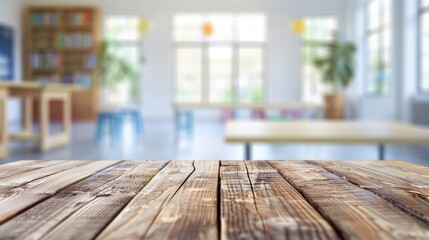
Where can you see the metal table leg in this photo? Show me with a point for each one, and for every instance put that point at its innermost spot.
(381, 152)
(248, 151)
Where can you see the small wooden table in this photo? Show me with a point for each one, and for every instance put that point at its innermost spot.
(336, 132)
(29, 92)
(213, 200)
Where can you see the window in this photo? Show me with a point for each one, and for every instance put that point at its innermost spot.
(123, 33)
(424, 46)
(320, 32)
(224, 66)
(378, 46)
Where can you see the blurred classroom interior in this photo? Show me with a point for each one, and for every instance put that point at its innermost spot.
(162, 80)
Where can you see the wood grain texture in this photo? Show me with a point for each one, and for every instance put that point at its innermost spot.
(137, 217)
(18, 167)
(16, 200)
(213, 200)
(403, 170)
(355, 212)
(410, 195)
(240, 218)
(194, 207)
(285, 212)
(29, 176)
(83, 209)
(106, 204)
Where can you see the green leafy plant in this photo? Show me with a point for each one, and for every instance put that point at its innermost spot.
(114, 68)
(337, 67)
(256, 94)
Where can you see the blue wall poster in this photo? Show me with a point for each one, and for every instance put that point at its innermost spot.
(6, 53)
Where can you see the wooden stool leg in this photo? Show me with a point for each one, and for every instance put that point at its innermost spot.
(4, 141)
(27, 113)
(67, 115)
(44, 121)
(47, 140)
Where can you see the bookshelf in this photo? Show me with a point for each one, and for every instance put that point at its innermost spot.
(60, 46)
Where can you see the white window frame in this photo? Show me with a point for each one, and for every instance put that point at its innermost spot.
(126, 43)
(315, 45)
(368, 32)
(422, 11)
(204, 45)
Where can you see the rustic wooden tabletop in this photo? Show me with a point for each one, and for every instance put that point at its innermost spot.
(214, 200)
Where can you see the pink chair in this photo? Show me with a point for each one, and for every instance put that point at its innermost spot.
(291, 114)
(227, 114)
(259, 114)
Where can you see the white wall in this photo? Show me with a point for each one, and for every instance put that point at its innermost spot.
(10, 14)
(410, 27)
(284, 56)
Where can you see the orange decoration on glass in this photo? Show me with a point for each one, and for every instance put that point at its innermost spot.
(208, 29)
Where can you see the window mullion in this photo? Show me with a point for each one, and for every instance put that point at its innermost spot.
(422, 39)
(235, 72)
(380, 50)
(205, 81)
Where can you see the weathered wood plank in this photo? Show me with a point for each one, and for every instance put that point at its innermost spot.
(285, 212)
(93, 217)
(192, 213)
(136, 218)
(16, 200)
(410, 195)
(355, 212)
(26, 177)
(10, 169)
(398, 169)
(58, 214)
(240, 218)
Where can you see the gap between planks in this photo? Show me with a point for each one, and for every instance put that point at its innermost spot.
(267, 205)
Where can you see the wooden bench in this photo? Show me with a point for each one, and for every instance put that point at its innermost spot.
(214, 200)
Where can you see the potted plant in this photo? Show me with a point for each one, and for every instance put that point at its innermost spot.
(337, 70)
(114, 69)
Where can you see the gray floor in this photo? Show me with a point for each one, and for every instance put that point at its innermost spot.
(160, 142)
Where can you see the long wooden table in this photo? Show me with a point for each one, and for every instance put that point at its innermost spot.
(335, 132)
(214, 200)
(30, 91)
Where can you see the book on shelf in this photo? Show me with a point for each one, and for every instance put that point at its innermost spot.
(74, 40)
(85, 61)
(80, 79)
(47, 79)
(91, 61)
(80, 18)
(46, 60)
(45, 19)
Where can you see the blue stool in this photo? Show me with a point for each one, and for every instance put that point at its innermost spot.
(136, 117)
(113, 119)
(185, 120)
